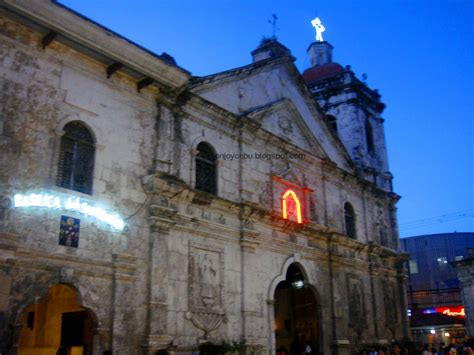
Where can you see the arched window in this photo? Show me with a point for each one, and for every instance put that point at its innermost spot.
(332, 122)
(369, 136)
(76, 158)
(350, 221)
(206, 169)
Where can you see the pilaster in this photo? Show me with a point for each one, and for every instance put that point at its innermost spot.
(123, 285)
(250, 309)
(158, 279)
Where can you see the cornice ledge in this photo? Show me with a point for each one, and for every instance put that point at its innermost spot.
(95, 37)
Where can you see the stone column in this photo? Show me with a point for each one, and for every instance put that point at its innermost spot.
(395, 243)
(402, 296)
(9, 331)
(271, 322)
(177, 116)
(251, 331)
(123, 304)
(339, 344)
(373, 275)
(158, 280)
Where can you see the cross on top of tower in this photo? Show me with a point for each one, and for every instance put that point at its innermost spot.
(318, 26)
(273, 22)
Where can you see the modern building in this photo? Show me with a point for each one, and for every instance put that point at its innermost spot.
(465, 270)
(434, 290)
(147, 209)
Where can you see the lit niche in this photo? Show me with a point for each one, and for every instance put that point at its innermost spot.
(291, 206)
(291, 201)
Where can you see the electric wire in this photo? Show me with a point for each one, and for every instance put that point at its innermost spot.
(415, 224)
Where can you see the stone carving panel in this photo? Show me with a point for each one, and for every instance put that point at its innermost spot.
(285, 124)
(206, 288)
(391, 319)
(357, 313)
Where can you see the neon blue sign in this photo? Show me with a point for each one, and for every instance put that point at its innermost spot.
(69, 203)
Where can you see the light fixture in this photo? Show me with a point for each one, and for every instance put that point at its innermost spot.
(298, 284)
(447, 335)
(432, 331)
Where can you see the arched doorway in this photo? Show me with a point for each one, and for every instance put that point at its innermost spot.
(296, 313)
(58, 321)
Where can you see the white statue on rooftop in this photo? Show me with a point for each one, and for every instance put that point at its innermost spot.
(318, 26)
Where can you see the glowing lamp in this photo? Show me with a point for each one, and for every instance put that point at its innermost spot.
(298, 284)
(432, 331)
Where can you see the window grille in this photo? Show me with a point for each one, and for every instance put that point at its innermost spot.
(206, 171)
(76, 158)
(349, 218)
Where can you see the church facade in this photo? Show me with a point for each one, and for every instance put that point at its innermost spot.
(145, 209)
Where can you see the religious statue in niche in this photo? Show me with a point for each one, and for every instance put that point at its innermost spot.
(291, 207)
(205, 282)
(208, 280)
(206, 272)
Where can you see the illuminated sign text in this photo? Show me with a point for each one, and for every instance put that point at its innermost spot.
(454, 311)
(69, 204)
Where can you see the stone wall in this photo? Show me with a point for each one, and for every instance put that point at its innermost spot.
(189, 266)
(42, 90)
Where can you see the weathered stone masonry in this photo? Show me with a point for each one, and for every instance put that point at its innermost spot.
(189, 266)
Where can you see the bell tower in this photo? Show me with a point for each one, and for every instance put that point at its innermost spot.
(353, 111)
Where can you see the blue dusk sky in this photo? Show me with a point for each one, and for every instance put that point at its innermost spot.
(419, 54)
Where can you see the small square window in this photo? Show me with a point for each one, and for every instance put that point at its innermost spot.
(413, 266)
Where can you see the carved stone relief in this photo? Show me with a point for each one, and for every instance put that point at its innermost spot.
(285, 124)
(390, 307)
(357, 314)
(266, 196)
(206, 288)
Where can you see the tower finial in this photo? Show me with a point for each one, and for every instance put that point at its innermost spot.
(318, 26)
(273, 23)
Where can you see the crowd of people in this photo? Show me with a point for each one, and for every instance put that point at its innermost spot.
(400, 349)
(303, 348)
(451, 349)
